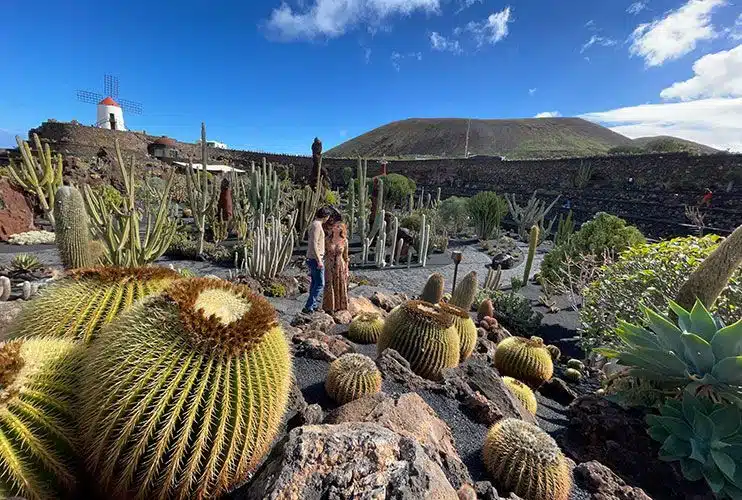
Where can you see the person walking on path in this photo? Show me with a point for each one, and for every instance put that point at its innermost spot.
(315, 259)
(335, 297)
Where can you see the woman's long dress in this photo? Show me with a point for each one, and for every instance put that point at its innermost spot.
(336, 269)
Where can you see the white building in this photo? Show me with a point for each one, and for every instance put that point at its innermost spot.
(110, 115)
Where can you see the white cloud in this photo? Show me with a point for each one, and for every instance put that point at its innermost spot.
(367, 55)
(532, 91)
(333, 18)
(397, 58)
(465, 4)
(636, 7)
(713, 121)
(443, 44)
(598, 40)
(493, 29)
(591, 25)
(548, 114)
(735, 32)
(676, 34)
(716, 75)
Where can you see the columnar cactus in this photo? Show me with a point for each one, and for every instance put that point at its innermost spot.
(522, 393)
(525, 460)
(465, 327)
(424, 336)
(485, 309)
(37, 426)
(352, 376)
(79, 305)
(527, 360)
(365, 328)
(71, 228)
(532, 244)
(433, 290)
(272, 247)
(466, 290)
(183, 395)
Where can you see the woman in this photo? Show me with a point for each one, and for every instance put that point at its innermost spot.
(336, 265)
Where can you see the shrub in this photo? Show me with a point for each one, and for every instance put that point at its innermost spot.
(487, 210)
(110, 196)
(513, 311)
(454, 213)
(397, 189)
(331, 198)
(650, 275)
(25, 263)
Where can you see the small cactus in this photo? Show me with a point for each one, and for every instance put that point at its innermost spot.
(525, 460)
(5, 288)
(486, 309)
(524, 359)
(576, 364)
(352, 376)
(433, 291)
(555, 352)
(532, 244)
(71, 228)
(365, 328)
(522, 392)
(465, 327)
(466, 290)
(572, 374)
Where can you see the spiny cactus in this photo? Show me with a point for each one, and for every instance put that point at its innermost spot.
(365, 328)
(71, 228)
(37, 426)
(352, 376)
(183, 395)
(466, 290)
(532, 244)
(524, 359)
(465, 327)
(525, 460)
(522, 392)
(424, 336)
(485, 309)
(433, 291)
(572, 374)
(77, 306)
(576, 364)
(555, 352)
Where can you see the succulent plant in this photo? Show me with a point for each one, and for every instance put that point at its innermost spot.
(485, 309)
(465, 292)
(25, 263)
(576, 364)
(522, 393)
(71, 228)
(525, 460)
(698, 353)
(433, 291)
(78, 305)
(38, 448)
(524, 359)
(352, 376)
(365, 328)
(706, 439)
(465, 327)
(572, 374)
(424, 336)
(555, 352)
(183, 395)
(532, 244)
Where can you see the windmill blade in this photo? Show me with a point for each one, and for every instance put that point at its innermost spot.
(130, 106)
(111, 86)
(89, 97)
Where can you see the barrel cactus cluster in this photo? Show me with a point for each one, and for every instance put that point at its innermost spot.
(527, 360)
(465, 328)
(352, 376)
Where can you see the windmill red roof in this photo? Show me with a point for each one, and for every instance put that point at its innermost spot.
(109, 102)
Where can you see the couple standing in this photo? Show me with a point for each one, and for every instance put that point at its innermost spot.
(327, 259)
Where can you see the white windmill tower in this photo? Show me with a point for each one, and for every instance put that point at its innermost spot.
(110, 109)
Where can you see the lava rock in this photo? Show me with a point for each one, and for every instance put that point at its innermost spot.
(357, 305)
(394, 367)
(342, 317)
(314, 344)
(467, 492)
(604, 484)
(388, 302)
(504, 260)
(315, 321)
(557, 390)
(16, 216)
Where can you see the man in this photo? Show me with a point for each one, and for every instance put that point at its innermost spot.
(315, 257)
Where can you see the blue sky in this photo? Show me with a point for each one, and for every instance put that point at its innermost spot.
(271, 75)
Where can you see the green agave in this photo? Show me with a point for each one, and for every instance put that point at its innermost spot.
(706, 438)
(698, 353)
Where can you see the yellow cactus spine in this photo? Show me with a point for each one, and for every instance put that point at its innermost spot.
(37, 427)
(433, 290)
(365, 328)
(424, 336)
(465, 327)
(71, 228)
(352, 376)
(465, 292)
(522, 392)
(183, 395)
(523, 459)
(527, 360)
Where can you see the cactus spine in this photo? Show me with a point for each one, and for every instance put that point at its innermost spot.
(352, 376)
(40, 176)
(523, 459)
(433, 290)
(465, 292)
(365, 328)
(71, 228)
(184, 394)
(532, 244)
(424, 336)
(527, 360)
(522, 393)
(465, 328)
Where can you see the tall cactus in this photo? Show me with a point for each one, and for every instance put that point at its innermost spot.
(533, 213)
(272, 247)
(41, 176)
(200, 192)
(379, 216)
(362, 198)
(352, 209)
(264, 192)
(532, 244)
(71, 228)
(308, 204)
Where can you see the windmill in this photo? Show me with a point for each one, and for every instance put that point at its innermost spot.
(110, 108)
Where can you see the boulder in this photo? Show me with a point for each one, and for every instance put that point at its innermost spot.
(8, 311)
(16, 215)
(603, 484)
(342, 317)
(357, 305)
(395, 368)
(388, 302)
(348, 461)
(557, 390)
(409, 415)
(315, 321)
(314, 344)
(504, 260)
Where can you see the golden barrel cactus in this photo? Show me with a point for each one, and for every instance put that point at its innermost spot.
(555, 352)
(365, 328)
(352, 376)
(38, 445)
(424, 336)
(184, 394)
(526, 360)
(465, 327)
(78, 305)
(522, 393)
(525, 460)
